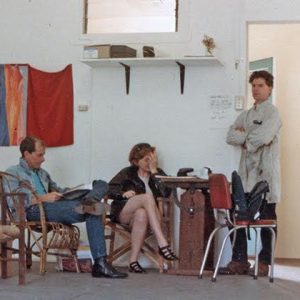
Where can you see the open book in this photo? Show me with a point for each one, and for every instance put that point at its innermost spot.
(77, 191)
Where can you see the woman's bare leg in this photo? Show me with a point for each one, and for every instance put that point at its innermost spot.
(147, 202)
(139, 228)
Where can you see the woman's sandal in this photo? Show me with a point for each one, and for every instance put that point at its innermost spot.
(167, 253)
(135, 267)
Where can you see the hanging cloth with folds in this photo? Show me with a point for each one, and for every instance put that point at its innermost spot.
(50, 106)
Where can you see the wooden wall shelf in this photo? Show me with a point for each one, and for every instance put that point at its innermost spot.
(127, 63)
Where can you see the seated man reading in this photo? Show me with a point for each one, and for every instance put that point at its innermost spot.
(80, 209)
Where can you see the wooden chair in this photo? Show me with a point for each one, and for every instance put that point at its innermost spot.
(8, 233)
(43, 238)
(221, 203)
(118, 230)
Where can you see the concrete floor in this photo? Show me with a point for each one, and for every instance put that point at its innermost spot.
(63, 286)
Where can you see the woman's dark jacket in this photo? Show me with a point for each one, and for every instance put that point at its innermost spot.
(127, 179)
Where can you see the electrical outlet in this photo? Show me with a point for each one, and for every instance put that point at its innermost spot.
(83, 107)
(239, 102)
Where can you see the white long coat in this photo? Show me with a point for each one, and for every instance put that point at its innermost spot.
(259, 146)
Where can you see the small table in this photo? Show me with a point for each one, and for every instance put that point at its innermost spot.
(196, 222)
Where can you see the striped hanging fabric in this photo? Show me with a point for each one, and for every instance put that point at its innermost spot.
(13, 99)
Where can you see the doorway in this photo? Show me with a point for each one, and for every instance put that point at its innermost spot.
(281, 41)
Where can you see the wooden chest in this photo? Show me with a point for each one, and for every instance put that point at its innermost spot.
(119, 51)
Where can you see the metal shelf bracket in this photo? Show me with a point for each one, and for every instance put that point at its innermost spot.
(182, 76)
(127, 76)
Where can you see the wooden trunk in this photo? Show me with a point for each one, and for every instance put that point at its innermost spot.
(196, 223)
(191, 231)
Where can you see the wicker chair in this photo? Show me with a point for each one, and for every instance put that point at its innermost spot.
(43, 238)
(8, 233)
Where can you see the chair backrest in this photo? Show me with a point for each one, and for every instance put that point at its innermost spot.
(220, 197)
(11, 187)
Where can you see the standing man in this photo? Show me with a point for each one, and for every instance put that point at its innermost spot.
(256, 132)
(81, 209)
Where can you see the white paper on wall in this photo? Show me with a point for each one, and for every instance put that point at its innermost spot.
(220, 111)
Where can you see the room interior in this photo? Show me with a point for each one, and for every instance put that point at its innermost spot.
(188, 128)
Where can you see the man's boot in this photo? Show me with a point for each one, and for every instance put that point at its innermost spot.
(102, 268)
(235, 268)
(263, 269)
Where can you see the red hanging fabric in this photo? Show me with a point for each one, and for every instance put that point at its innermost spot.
(50, 106)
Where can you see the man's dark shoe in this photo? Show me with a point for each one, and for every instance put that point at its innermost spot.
(263, 270)
(89, 201)
(102, 268)
(100, 189)
(235, 268)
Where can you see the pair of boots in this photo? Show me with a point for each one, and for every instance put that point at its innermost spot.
(102, 268)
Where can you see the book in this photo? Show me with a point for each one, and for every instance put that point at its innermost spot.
(77, 191)
(66, 264)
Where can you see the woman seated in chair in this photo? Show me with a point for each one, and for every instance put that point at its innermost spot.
(135, 191)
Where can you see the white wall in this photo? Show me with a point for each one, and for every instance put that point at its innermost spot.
(46, 34)
(41, 33)
(49, 38)
(155, 111)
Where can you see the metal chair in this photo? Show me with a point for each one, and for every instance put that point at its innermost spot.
(43, 238)
(221, 203)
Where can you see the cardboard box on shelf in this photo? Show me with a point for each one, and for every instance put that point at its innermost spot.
(108, 51)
